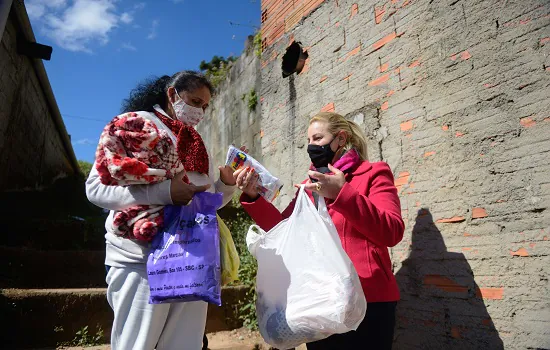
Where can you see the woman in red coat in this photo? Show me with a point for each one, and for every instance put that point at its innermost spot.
(362, 200)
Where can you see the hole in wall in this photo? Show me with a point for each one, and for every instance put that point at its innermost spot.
(294, 59)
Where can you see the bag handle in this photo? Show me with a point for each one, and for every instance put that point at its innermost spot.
(299, 200)
(255, 233)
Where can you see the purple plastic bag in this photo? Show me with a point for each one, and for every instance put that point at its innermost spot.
(185, 262)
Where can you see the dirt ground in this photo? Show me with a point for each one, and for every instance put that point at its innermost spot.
(239, 339)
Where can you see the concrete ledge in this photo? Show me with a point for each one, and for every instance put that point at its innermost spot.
(45, 317)
(34, 318)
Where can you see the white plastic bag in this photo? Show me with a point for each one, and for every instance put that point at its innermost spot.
(306, 284)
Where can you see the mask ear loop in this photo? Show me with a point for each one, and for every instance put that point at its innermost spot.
(177, 94)
(340, 147)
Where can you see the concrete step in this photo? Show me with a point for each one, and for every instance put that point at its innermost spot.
(53, 316)
(26, 268)
(54, 233)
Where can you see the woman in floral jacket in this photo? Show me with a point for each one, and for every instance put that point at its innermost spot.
(139, 168)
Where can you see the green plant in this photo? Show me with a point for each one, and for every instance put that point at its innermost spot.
(252, 100)
(238, 222)
(84, 338)
(85, 167)
(258, 44)
(217, 69)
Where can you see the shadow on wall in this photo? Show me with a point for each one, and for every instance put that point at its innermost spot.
(441, 305)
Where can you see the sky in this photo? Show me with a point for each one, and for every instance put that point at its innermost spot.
(103, 48)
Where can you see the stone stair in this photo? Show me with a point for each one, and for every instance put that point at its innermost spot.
(50, 289)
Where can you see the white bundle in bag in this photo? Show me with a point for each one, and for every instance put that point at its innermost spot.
(306, 284)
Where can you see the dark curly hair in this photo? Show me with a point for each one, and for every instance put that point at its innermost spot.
(152, 91)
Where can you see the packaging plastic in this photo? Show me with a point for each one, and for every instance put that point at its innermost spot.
(185, 262)
(268, 185)
(229, 256)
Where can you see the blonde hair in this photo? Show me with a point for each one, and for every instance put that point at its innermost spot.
(336, 123)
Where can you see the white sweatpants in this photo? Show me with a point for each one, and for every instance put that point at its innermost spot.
(139, 325)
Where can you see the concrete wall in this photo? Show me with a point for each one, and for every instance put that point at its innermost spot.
(34, 150)
(229, 120)
(454, 95)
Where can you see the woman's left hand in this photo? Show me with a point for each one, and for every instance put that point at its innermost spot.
(327, 186)
(226, 172)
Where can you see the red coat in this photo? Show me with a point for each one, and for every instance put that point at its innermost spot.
(367, 216)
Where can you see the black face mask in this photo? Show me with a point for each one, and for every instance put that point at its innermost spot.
(321, 156)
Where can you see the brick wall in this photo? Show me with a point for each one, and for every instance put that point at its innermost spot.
(454, 95)
(32, 154)
(229, 119)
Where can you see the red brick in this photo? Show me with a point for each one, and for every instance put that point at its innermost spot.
(519, 252)
(354, 10)
(455, 332)
(323, 78)
(391, 92)
(379, 14)
(414, 64)
(429, 154)
(444, 283)
(406, 126)
(454, 219)
(384, 67)
(544, 40)
(384, 106)
(459, 134)
(328, 108)
(445, 127)
(306, 67)
(401, 180)
(478, 213)
(465, 55)
(351, 53)
(527, 122)
(388, 38)
(491, 293)
(384, 78)
(294, 17)
(347, 77)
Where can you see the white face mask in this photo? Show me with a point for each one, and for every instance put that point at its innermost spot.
(187, 114)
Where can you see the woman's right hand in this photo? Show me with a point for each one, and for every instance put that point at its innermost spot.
(247, 181)
(181, 192)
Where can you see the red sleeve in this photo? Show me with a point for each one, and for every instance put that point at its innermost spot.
(378, 215)
(264, 213)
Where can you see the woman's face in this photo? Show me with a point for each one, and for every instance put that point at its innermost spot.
(199, 98)
(319, 135)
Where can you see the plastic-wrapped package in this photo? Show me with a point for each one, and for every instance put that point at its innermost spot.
(268, 185)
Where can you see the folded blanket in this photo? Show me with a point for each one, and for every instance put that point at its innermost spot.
(133, 151)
